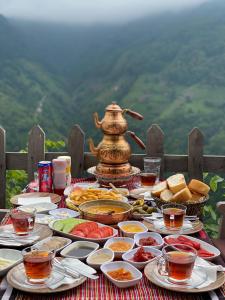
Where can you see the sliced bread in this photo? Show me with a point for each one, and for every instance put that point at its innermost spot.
(182, 196)
(196, 197)
(166, 195)
(159, 188)
(176, 183)
(199, 187)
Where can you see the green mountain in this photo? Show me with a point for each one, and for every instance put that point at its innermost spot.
(170, 68)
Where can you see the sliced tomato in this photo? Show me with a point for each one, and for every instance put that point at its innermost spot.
(205, 253)
(78, 233)
(170, 240)
(94, 235)
(106, 231)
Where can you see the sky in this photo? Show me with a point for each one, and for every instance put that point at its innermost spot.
(90, 11)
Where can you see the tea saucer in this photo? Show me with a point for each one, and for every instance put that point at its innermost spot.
(200, 276)
(16, 277)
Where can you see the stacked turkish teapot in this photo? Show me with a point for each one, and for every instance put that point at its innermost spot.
(113, 152)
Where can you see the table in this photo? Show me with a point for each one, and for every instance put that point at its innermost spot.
(104, 290)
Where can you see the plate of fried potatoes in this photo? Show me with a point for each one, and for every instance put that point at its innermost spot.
(80, 195)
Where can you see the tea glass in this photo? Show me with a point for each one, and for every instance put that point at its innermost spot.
(151, 172)
(173, 215)
(177, 263)
(38, 264)
(23, 221)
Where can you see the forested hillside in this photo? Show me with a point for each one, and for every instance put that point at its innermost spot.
(171, 68)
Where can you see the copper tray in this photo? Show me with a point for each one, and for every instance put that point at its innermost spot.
(54, 197)
(149, 273)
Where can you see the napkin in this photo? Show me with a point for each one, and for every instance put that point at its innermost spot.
(59, 281)
(33, 200)
(159, 224)
(76, 264)
(210, 271)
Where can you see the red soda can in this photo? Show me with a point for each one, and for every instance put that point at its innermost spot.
(45, 176)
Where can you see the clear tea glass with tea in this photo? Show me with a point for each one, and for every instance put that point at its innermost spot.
(151, 172)
(38, 264)
(177, 263)
(173, 215)
(23, 221)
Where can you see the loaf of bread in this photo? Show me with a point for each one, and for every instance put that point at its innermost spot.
(159, 188)
(166, 195)
(182, 196)
(176, 183)
(199, 187)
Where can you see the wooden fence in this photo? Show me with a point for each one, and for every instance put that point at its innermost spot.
(194, 163)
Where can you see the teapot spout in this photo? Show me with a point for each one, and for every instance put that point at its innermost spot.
(98, 123)
(93, 149)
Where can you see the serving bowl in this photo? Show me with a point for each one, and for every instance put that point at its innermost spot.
(107, 267)
(105, 218)
(143, 235)
(62, 241)
(129, 233)
(92, 256)
(75, 245)
(140, 265)
(118, 254)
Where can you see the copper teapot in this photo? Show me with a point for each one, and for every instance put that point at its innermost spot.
(114, 121)
(113, 152)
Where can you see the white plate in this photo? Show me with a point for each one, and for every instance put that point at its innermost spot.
(10, 254)
(64, 213)
(118, 254)
(118, 265)
(78, 238)
(44, 219)
(204, 245)
(67, 242)
(140, 265)
(143, 235)
(84, 185)
(40, 207)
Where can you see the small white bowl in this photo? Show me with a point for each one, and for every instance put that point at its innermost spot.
(131, 234)
(140, 265)
(107, 267)
(10, 254)
(143, 235)
(118, 254)
(66, 250)
(64, 213)
(91, 258)
(65, 241)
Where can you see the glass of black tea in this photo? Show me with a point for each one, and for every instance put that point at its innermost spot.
(173, 215)
(151, 172)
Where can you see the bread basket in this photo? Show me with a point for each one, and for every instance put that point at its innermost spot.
(193, 208)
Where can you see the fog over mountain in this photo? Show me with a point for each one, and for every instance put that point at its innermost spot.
(90, 11)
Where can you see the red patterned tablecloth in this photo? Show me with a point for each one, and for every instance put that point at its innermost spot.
(104, 290)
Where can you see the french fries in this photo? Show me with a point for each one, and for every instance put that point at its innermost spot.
(83, 195)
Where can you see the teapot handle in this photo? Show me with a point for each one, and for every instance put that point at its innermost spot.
(134, 114)
(137, 139)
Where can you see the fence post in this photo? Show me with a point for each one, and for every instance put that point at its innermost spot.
(76, 150)
(195, 154)
(36, 150)
(155, 144)
(2, 168)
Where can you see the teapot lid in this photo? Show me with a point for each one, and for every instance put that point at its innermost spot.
(113, 107)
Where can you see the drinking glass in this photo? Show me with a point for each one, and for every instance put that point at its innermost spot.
(23, 221)
(38, 264)
(173, 215)
(151, 172)
(177, 263)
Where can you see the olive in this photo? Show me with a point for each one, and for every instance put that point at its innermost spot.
(141, 211)
(145, 207)
(150, 210)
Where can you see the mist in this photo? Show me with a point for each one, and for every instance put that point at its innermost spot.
(90, 11)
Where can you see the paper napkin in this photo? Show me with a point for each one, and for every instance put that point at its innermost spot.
(33, 200)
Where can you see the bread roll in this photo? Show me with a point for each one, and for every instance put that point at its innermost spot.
(166, 195)
(196, 197)
(158, 188)
(199, 187)
(176, 183)
(182, 196)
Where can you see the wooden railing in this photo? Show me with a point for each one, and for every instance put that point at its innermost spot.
(194, 162)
